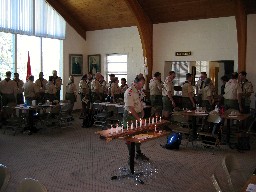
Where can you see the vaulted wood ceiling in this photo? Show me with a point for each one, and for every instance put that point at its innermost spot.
(90, 15)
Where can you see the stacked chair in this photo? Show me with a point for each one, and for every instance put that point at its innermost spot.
(4, 177)
(13, 120)
(29, 184)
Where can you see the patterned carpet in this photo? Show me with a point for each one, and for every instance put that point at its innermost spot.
(75, 159)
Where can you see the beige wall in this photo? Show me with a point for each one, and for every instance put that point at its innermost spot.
(251, 53)
(208, 39)
(73, 44)
(123, 41)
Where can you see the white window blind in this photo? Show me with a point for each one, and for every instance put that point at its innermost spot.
(31, 17)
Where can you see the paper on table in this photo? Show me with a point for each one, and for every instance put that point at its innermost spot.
(251, 188)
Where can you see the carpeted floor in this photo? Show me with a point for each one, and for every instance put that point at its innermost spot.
(75, 159)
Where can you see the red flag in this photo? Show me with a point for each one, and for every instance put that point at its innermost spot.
(28, 67)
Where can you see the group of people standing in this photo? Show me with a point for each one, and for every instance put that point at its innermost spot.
(235, 93)
(14, 90)
(96, 89)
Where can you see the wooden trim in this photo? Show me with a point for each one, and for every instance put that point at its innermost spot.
(241, 26)
(145, 27)
(74, 22)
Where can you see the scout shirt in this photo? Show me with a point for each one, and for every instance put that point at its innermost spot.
(19, 84)
(8, 87)
(50, 88)
(186, 89)
(232, 89)
(71, 88)
(199, 86)
(57, 82)
(84, 87)
(41, 84)
(247, 90)
(95, 86)
(206, 92)
(30, 89)
(115, 89)
(124, 88)
(132, 99)
(168, 87)
(155, 87)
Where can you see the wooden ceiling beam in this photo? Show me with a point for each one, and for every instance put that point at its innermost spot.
(241, 26)
(145, 27)
(73, 21)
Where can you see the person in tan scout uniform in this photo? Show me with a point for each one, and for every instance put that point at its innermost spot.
(20, 83)
(168, 92)
(8, 90)
(155, 87)
(30, 90)
(41, 85)
(50, 90)
(57, 82)
(233, 94)
(134, 110)
(84, 92)
(115, 90)
(188, 93)
(207, 95)
(247, 90)
(95, 88)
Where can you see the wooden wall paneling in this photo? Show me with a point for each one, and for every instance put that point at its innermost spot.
(145, 28)
(241, 25)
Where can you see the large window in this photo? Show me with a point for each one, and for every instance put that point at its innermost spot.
(181, 69)
(45, 55)
(7, 53)
(32, 45)
(117, 64)
(31, 17)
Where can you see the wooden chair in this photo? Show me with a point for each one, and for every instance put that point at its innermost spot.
(4, 177)
(29, 184)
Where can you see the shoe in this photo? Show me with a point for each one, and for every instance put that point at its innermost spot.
(141, 156)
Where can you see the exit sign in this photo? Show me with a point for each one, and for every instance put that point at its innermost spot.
(183, 53)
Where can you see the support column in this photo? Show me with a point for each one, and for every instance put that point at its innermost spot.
(145, 27)
(241, 26)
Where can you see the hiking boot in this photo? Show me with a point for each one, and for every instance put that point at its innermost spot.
(141, 156)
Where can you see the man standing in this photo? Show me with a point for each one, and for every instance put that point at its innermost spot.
(30, 90)
(50, 90)
(155, 87)
(233, 94)
(188, 93)
(168, 92)
(57, 82)
(199, 86)
(95, 88)
(8, 90)
(133, 110)
(19, 83)
(40, 84)
(247, 90)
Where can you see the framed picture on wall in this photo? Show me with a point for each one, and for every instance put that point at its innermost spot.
(76, 64)
(94, 63)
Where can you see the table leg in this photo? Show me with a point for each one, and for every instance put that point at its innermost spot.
(194, 129)
(132, 156)
(228, 130)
